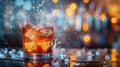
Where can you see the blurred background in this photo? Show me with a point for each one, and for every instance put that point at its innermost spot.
(77, 23)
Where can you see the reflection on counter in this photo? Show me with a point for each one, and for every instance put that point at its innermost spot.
(64, 58)
(14, 63)
(38, 64)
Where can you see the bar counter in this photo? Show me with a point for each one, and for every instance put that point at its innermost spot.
(60, 63)
(68, 58)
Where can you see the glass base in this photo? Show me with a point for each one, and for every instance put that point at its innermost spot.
(38, 56)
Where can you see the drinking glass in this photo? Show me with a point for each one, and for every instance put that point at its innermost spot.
(38, 40)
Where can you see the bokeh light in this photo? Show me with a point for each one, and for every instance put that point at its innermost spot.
(73, 6)
(113, 10)
(85, 26)
(55, 1)
(102, 16)
(85, 1)
(113, 54)
(114, 20)
(27, 5)
(55, 11)
(73, 57)
(69, 11)
(19, 2)
(86, 38)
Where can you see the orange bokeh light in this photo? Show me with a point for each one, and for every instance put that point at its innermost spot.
(113, 10)
(85, 1)
(86, 38)
(85, 26)
(102, 16)
(113, 54)
(73, 57)
(114, 20)
(55, 1)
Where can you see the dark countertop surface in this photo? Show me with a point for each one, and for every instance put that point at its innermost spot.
(112, 60)
(23, 63)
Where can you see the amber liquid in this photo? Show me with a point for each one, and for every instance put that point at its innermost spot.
(37, 40)
(37, 64)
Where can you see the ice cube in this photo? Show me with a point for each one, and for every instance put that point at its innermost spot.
(31, 34)
(46, 45)
(46, 31)
(30, 46)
